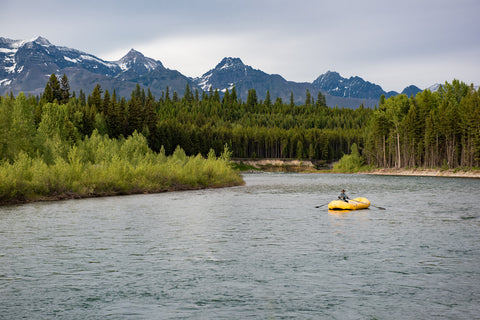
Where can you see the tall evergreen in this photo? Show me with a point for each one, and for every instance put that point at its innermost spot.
(94, 100)
(52, 90)
(308, 98)
(321, 100)
(268, 100)
(64, 89)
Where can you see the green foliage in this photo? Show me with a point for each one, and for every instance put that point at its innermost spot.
(99, 165)
(50, 150)
(226, 154)
(432, 130)
(53, 90)
(350, 163)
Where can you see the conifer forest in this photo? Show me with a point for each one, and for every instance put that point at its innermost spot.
(430, 130)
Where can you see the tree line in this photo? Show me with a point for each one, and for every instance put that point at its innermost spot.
(432, 129)
(202, 121)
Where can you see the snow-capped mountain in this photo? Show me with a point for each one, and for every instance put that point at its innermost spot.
(354, 87)
(26, 65)
(228, 72)
(135, 64)
(232, 72)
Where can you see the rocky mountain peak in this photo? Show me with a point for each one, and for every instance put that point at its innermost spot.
(42, 41)
(133, 54)
(354, 87)
(411, 90)
(230, 63)
(138, 62)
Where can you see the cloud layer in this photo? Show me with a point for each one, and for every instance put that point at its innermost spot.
(391, 43)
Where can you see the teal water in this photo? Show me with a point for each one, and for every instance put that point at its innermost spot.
(260, 251)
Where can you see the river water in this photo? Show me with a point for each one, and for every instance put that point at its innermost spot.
(259, 251)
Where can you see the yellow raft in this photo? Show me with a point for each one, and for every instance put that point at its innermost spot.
(354, 204)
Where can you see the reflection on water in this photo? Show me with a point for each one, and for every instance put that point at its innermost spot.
(258, 251)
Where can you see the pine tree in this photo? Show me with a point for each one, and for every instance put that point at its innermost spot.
(233, 95)
(321, 101)
(216, 96)
(48, 94)
(52, 90)
(187, 96)
(268, 100)
(167, 94)
(252, 100)
(82, 98)
(95, 99)
(308, 98)
(64, 89)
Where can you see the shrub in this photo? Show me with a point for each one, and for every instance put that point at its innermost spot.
(350, 163)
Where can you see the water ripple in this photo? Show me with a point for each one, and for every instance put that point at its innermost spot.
(258, 251)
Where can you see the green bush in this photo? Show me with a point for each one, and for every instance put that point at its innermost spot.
(350, 163)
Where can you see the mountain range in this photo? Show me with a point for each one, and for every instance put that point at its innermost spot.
(26, 65)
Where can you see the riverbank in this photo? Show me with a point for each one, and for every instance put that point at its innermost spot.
(312, 166)
(280, 165)
(425, 172)
(73, 195)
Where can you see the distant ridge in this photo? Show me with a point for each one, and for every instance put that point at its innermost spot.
(25, 65)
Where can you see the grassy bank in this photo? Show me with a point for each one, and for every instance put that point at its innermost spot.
(99, 166)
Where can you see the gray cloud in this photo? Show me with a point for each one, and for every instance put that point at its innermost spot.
(392, 43)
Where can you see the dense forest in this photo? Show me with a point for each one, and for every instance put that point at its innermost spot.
(202, 121)
(432, 129)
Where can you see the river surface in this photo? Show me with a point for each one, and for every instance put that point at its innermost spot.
(259, 251)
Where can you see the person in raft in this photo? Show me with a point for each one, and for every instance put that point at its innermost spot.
(343, 196)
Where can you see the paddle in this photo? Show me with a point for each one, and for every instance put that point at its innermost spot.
(380, 208)
(322, 205)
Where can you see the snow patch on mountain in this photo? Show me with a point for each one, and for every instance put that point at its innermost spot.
(202, 81)
(97, 60)
(11, 69)
(5, 82)
(70, 60)
(230, 87)
(8, 50)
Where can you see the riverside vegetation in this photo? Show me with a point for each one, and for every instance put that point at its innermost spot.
(45, 156)
(61, 144)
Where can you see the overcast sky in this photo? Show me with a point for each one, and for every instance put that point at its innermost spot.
(390, 43)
